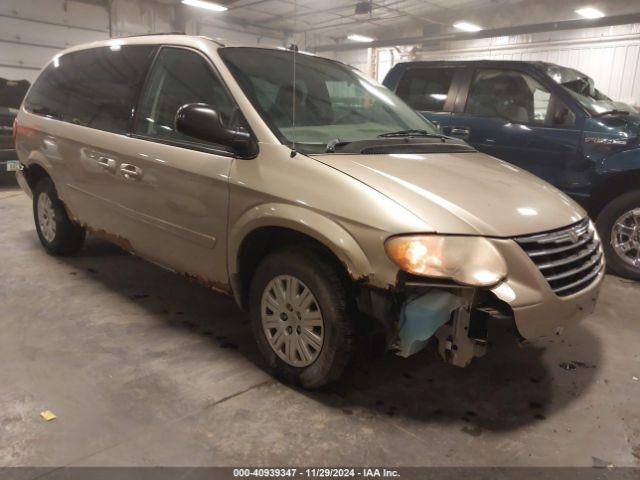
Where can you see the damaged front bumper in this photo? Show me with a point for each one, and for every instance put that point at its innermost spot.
(459, 316)
(537, 310)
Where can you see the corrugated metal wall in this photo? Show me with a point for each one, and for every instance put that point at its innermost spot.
(610, 55)
(32, 31)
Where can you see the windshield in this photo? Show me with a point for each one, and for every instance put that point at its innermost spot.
(333, 102)
(582, 88)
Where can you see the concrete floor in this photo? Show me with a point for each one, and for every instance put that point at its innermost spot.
(144, 368)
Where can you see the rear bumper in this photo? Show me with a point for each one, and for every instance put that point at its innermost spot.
(22, 181)
(538, 311)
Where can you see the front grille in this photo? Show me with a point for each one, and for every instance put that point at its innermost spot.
(570, 259)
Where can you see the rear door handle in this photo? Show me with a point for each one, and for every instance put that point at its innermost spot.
(107, 163)
(461, 132)
(130, 172)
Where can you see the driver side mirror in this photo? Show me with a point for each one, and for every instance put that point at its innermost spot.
(202, 121)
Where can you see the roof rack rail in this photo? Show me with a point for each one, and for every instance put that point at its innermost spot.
(168, 33)
(149, 35)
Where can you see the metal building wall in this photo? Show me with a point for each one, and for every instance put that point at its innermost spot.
(33, 31)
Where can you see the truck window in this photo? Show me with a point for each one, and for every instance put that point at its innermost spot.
(426, 89)
(94, 88)
(516, 97)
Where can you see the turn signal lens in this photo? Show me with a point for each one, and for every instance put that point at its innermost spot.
(467, 260)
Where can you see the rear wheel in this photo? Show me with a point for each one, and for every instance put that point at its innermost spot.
(300, 317)
(58, 234)
(619, 227)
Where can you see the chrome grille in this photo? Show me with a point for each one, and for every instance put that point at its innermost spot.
(570, 259)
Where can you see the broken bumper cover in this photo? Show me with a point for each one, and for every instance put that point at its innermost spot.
(538, 311)
(22, 181)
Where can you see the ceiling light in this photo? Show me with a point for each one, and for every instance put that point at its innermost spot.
(467, 27)
(360, 38)
(589, 12)
(206, 5)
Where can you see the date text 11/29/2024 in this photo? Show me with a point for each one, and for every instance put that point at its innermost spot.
(316, 472)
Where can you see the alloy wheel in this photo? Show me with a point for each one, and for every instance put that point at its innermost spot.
(625, 237)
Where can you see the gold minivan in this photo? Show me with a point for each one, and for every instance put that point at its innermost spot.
(330, 210)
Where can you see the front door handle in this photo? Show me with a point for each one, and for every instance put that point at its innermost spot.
(107, 163)
(461, 132)
(130, 172)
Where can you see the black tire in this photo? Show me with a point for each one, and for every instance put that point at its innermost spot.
(68, 237)
(332, 293)
(605, 222)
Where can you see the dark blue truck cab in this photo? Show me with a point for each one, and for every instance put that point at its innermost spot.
(549, 120)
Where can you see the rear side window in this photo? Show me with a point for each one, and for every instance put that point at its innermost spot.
(94, 88)
(426, 89)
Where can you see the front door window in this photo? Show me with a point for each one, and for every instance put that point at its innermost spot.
(517, 98)
(179, 77)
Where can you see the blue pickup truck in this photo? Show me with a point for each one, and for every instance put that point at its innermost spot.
(549, 120)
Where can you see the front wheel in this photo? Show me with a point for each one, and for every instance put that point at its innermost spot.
(58, 234)
(619, 227)
(299, 307)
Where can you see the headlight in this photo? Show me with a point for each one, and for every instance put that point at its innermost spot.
(467, 260)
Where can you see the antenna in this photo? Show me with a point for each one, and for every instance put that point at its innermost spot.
(294, 49)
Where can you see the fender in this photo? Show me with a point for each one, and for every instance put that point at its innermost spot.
(619, 162)
(305, 221)
(615, 175)
(35, 158)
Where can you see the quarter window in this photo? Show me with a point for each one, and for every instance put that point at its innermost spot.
(426, 89)
(94, 88)
(179, 77)
(516, 97)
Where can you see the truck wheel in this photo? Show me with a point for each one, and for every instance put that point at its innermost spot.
(58, 234)
(300, 317)
(619, 227)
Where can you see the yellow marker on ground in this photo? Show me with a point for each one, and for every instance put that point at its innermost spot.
(48, 415)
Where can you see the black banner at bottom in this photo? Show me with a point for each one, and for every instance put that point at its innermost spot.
(305, 473)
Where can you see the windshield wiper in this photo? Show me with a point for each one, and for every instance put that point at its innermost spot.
(611, 112)
(411, 133)
(333, 144)
(336, 143)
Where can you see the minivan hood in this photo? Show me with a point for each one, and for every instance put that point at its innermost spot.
(463, 193)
